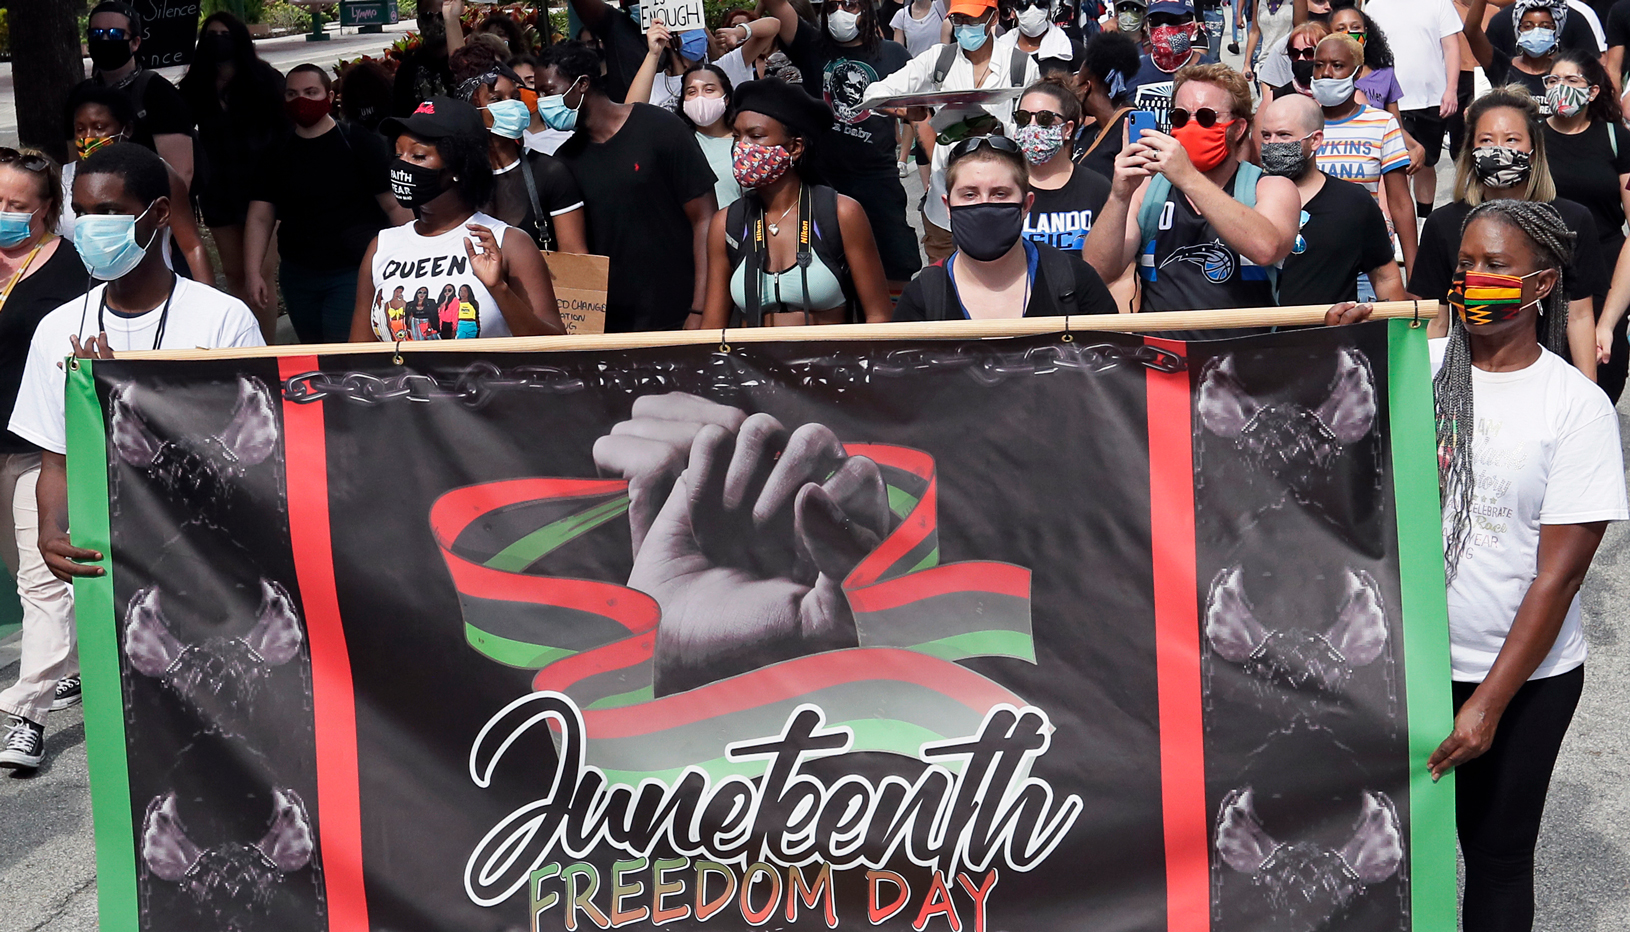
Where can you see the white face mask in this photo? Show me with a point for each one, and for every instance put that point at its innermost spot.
(843, 25)
(1333, 92)
(1033, 21)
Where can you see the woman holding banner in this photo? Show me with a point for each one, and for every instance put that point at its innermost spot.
(1527, 496)
(830, 272)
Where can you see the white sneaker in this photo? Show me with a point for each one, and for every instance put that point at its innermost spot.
(67, 693)
(905, 169)
(25, 745)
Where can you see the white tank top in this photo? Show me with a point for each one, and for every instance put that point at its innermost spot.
(424, 288)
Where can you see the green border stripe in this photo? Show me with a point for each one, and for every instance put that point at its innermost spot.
(1425, 624)
(534, 546)
(513, 653)
(99, 659)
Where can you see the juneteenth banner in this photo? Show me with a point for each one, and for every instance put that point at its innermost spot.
(1085, 632)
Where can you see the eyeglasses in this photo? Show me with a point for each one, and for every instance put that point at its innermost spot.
(1572, 80)
(1205, 116)
(108, 32)
(1304, 54)
(1043, 118)
(33, 163)
(969, 145)
(973, 126)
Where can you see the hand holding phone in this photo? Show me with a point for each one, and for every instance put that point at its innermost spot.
(1138, 121)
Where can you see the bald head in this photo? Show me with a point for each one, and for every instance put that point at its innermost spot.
(1292, 116)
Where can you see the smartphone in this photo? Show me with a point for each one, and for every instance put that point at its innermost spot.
(1138, 121)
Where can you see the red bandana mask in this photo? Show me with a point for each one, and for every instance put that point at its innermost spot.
(1206, 147)
(756, 166)
(1169, 46)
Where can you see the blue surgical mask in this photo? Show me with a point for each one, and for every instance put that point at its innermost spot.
(971, 37)
(693, 44)
(15, 228)
(556, 115)
(510, 118)
(107, 244)
(1537, 41)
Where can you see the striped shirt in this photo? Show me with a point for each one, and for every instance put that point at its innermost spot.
(1362, 148)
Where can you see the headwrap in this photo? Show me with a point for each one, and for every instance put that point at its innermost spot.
(1558, 8)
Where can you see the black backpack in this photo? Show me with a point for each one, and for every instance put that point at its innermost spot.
(939, 299)
(200, 159)
(818, 209)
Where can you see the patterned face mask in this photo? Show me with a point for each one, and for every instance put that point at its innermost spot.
(1481, 298)
(1565, 100)
(1501, 166)
(756, 166)
(1169, 46)
(1040, 143)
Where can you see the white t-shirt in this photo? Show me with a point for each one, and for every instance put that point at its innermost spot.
(1416, 29)
(735, 67)
(666, 89)
(920, 34)
(199, 316)
(544, 140)
(1546, 451)
(459, 306)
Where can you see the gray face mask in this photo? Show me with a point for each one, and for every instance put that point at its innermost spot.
(1285, 159)
(1129, 20)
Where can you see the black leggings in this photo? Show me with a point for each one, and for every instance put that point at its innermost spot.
(1500, 797)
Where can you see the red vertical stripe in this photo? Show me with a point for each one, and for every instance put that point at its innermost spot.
(1177, 648)
(338, 799)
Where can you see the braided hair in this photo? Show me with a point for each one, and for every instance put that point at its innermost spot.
(1452, 386)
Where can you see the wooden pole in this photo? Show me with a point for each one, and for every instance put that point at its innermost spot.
(946, 330)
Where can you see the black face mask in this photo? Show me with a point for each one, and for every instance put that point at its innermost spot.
(1302, 72)
(108, 54)
(414, 185)
(987, 231)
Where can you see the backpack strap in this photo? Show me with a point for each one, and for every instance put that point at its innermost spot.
(1245, 180)
(935, 283)
(745, 245)
(1154, 201)
(538, 216)
(1056, 267)
(1613, 139)
(828, 244)
(942, 65)
(138, 92)
(1016, 68)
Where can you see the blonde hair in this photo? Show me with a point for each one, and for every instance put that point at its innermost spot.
(1539, 187)
(1353, 48)
(1219, 75)
(51, 178)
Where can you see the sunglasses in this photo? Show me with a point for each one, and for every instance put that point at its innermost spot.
(1027, 4)
(1043, 118)
(1304, 54)
(848, 6)
(1205, 116)
(33, 163)
(970, 145)
(109, 32)
(977, 126)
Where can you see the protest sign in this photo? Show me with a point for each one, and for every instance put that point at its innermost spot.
(169, 31)
(677, 15)
(1047, 633)
(580, 290)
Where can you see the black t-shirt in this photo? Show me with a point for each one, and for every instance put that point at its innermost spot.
(1090, 294)
(635, 187)
(1576, 34)
(1062, 218)
(61, 279)
(861, 141)
(1501, 71)
(625, 49)
(161, 111)
(1617, 24)
(1344, 235)
(1586, 171)
(325, 191)
(557, 193)
(1440, 251)
(1192, 268)
(1101, 159)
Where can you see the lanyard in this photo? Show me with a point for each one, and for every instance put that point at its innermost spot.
(102, 305)
(4, 295)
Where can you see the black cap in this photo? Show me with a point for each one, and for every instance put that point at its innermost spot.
(437, 118)
(800, 113)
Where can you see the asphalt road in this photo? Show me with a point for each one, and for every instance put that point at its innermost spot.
(47, 863)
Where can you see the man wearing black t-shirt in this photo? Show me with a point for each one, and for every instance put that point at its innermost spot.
(619, 35)
(163, 122)
(647, 189)
(840, 56)
(1343, 233)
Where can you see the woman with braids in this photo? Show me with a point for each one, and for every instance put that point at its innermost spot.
(1530, 472)
(1505, 157)
(1590, 163)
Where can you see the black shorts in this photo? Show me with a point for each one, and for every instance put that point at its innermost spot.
(1427, 127)
(884, 199)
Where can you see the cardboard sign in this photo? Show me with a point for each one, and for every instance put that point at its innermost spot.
(580, 290)
(169, 31)
(677, 15)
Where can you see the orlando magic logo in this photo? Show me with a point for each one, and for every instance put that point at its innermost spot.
(1215, 260)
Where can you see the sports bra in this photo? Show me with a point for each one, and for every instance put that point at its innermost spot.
(783, 291)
